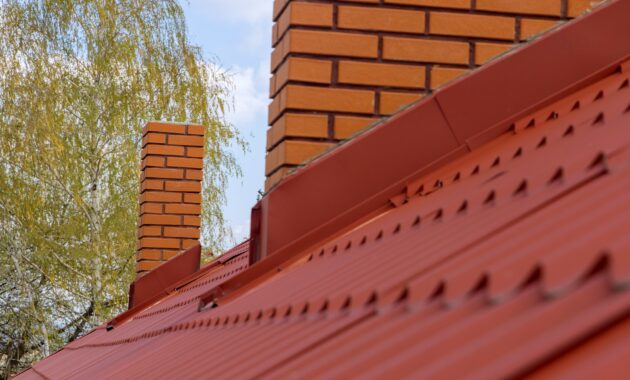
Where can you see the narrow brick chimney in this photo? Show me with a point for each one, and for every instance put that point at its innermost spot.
(340, 65)
(170, 194)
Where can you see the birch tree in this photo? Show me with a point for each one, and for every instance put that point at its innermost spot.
(78, 80)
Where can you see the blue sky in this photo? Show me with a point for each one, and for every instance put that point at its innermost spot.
(238, 34)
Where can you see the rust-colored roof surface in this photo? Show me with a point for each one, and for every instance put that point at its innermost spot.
(511, 260)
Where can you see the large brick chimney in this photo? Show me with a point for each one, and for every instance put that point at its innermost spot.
(340, 65)
(170, 194)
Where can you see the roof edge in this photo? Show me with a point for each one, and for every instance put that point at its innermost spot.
(174, 276)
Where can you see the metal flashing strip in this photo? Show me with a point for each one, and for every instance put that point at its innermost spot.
(363, 174)
(360, 178)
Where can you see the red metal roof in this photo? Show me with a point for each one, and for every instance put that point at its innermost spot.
(358, 178)
(512, 260)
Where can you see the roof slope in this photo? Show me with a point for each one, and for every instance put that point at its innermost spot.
(522, 245)
(513, 259)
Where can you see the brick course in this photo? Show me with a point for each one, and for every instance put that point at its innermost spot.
(338, 66)
(381, 74)
(471, 25)
(425, 50)
(532, 27)
(170, 192)
(388, 20)
(540, 7)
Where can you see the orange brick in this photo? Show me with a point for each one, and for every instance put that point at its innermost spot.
(183, 186)
(443, 75)
(154, 126)
(327, 99)
(272, 84)
(192, 198)
(169, 254)
(332, 43)
(274, 108)
(149, 254)
(540, 7)
(194, 152)
(390, 20)
(188, 209)
(278, 7)
(279, 52)
(460, 4)
(381, 74)
(274, 34)
(150, 231)
(185, 140)
(195, 129)
(179, 162)
(153, 138)
(392, 102)
(162, 150)
(577, 7)
(274, 159)
(532, 27)
(293, 153)
(303, 70)
(276, 177)
(308, 14)
(421, 50)
(181, 232)
(194, 174)
(187, 243)
(153, 161)
(297, 152)
(160, 196)
(346, 126)
(147, 265)
(297, 125)
(163, 220)
(163, 173)
(192, 220)
(159, 243)
(151, 184)
(485, 51)
(470, 25)
(151, 208)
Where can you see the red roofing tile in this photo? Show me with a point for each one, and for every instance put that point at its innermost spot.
(510, 260)
(356, 179)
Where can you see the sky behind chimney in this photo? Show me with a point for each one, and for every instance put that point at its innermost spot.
(238, 33)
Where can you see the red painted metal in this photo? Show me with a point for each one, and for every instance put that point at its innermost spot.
(171, 279)
(560, 62)
(156, 283)
(511, 260)
(359, 177)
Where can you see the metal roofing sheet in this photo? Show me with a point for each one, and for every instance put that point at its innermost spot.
(357, 178)
(491, 267)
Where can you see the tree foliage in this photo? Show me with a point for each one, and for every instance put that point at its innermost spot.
(78, 80)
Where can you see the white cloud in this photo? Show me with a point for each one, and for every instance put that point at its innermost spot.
(264, 70)
(250, 11)
(251, 20)
(240, 232)
(257, 38)
(239, 33)
(250, 96)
